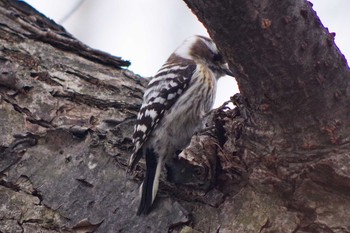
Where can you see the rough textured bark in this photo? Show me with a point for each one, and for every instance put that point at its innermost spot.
(279, 162)
(295, 140)
(66, 119)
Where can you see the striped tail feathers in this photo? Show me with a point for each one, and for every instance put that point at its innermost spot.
(149, 187)
(134, 159)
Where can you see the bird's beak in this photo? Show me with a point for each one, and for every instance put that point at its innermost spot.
(226, 69)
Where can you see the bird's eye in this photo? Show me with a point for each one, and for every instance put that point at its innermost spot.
(217, 57)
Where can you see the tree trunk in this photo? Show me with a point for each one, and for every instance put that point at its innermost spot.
(295, 141)
(67, 111)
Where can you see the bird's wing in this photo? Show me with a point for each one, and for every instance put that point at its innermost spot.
(162, 92)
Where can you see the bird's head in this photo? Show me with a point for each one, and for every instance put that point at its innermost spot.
(203, 50)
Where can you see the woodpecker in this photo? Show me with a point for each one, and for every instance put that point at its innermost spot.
(174, 104)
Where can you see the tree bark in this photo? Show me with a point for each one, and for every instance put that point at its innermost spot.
(295, 141)
(279, 162)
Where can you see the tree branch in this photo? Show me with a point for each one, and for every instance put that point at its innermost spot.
(294, 77)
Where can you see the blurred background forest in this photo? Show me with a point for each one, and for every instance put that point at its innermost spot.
(147, 32)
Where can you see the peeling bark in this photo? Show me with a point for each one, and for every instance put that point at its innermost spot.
(67, 115)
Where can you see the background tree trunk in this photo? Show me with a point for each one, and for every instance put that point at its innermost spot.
(67, 113)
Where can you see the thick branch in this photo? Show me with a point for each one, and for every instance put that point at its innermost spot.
(295, 138)
(288, 68)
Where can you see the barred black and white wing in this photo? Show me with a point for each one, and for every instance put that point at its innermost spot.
(163, 90)
(174, 104)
